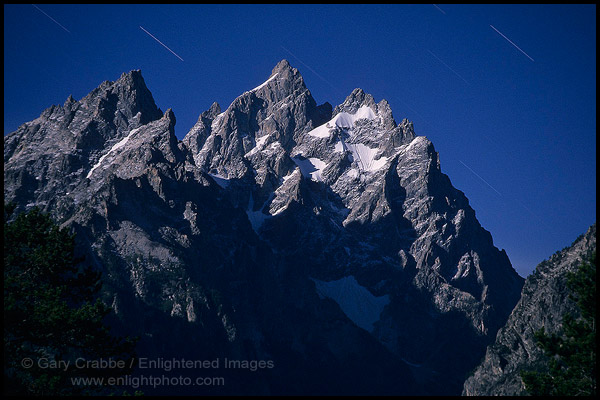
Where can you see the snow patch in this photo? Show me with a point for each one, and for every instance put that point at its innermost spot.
(260, 142)
(415, 142)
(356, 301)
(263, 84)
(343, 120)
(365, 157)
(288, 176)
(216, 121)
(220, 180)
(311, 167)
(352, 173)
(117, 146)
(257, 218)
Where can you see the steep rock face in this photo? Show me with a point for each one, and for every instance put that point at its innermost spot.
(544, 302)
(276, 229)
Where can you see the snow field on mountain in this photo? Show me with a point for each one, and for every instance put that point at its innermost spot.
(311, 167)
(343, 120)
(258, 217)
(356, 301)
(259, 145)
(365, 157)
(220, 180)
(264, 83)
(117, 146)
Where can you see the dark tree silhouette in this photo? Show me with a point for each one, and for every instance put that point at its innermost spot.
(53, 320)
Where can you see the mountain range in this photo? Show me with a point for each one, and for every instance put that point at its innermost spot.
(324, 239)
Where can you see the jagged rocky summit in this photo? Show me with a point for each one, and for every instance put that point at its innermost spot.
(544, 302)
(326, 239)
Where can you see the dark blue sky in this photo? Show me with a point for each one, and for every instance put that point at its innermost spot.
(515, 127)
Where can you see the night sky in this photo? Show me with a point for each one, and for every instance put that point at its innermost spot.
(506, 93)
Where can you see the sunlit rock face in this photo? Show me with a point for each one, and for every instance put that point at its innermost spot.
(326, 239)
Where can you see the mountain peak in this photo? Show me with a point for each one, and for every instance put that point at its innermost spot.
(214, 109)
(133, 96)
(132, 79)
(359, 98)
(169, 115)
(70, 100)
(356, 99)
(282, 65)
(133, 72)
(284, 81)
(283, 71)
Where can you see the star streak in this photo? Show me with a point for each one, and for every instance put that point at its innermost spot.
(164, 45)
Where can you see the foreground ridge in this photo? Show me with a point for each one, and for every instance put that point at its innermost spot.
(544, 301)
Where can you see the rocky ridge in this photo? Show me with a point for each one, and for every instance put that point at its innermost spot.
(544, 301)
